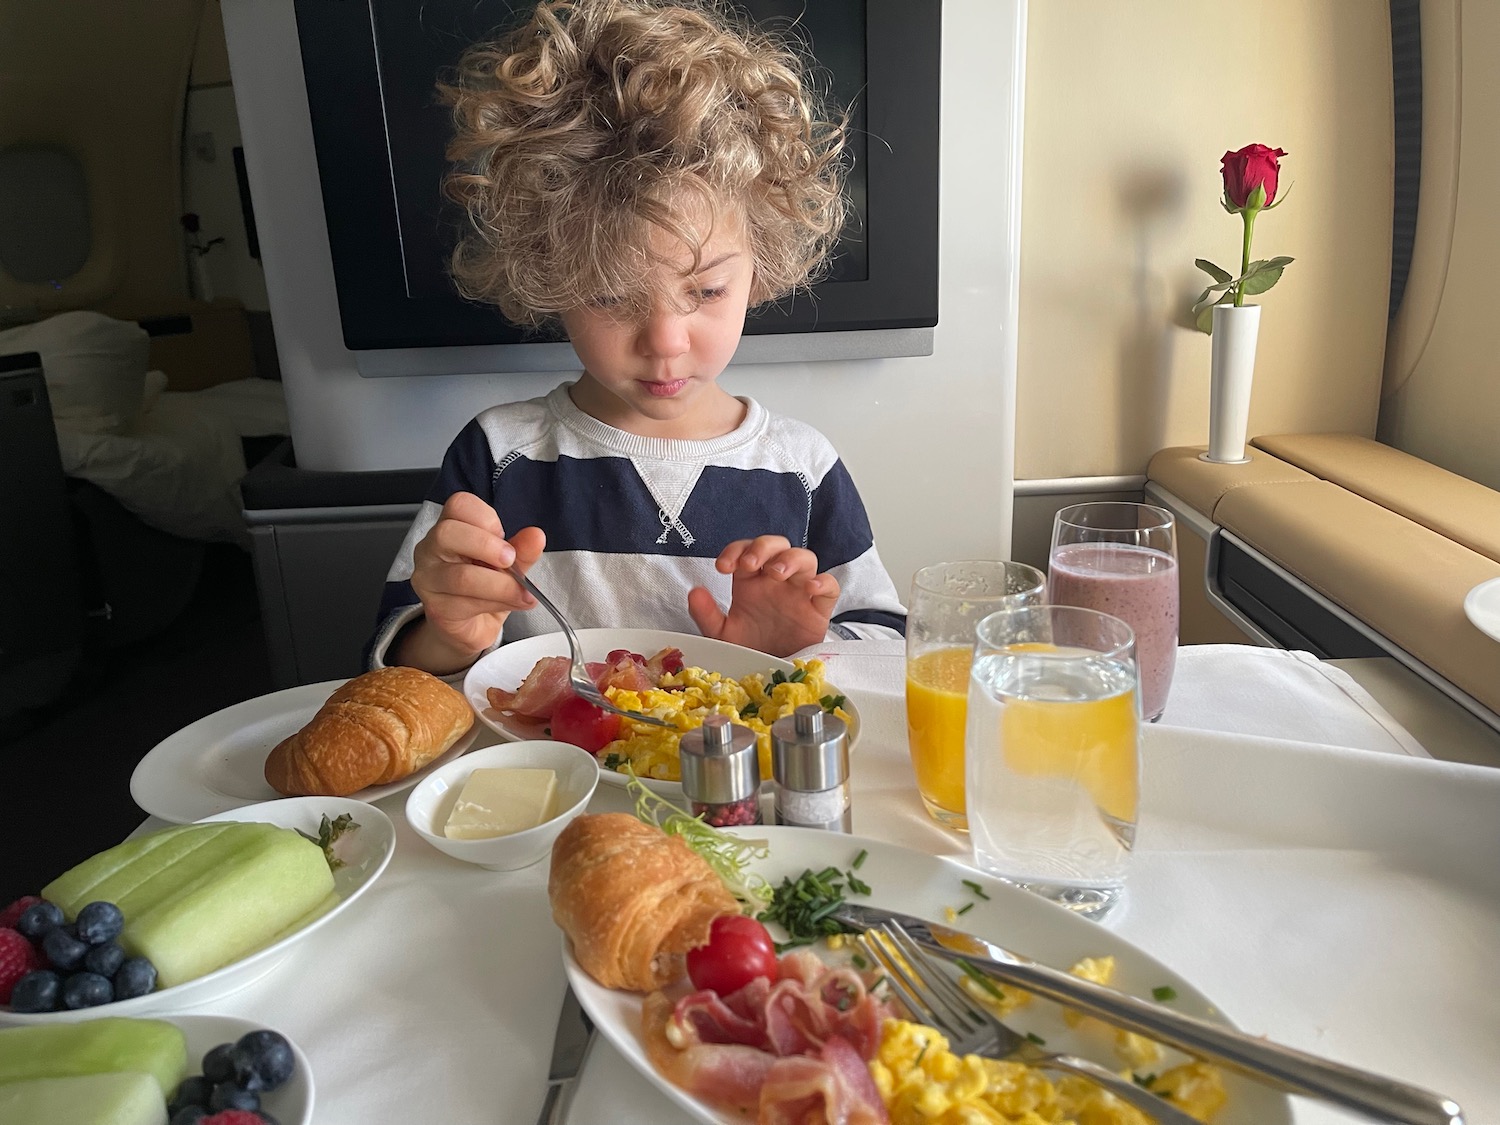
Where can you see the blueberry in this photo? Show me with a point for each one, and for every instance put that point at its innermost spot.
(227, 1095)
(104, 959)
(218, 1064)
(193, 1091)
(189, 1115)
(37, 991)
(86, 990)
(262, 1060)
(135, 977)
(63, 949)
(38, 918)
(99, 922)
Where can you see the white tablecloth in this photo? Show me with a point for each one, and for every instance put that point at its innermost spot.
(1342, 897)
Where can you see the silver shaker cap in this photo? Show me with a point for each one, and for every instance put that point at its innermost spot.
(810, 749)
(719, 762)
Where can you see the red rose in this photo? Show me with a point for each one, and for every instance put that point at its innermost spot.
(1252, 166)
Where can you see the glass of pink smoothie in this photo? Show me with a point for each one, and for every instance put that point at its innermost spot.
(1121, 559)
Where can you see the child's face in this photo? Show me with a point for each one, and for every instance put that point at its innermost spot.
(656, 378)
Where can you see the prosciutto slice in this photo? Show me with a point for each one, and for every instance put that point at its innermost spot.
(544, 687)
(547, 685)
(728, 1075)
(833, 1086)
(797, 1014)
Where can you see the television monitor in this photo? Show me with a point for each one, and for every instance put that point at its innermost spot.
(371, 68)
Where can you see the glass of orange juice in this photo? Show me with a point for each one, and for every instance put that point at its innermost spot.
(1053, 764)
(948, 600)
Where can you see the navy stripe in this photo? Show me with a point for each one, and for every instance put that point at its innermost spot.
(839, 531)
(468, 462)
(896, 621)
(600, 504)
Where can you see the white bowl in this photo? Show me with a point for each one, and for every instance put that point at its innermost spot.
(365, 854)
(430, 803)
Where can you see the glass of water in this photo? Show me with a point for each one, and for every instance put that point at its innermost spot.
(1052, 750)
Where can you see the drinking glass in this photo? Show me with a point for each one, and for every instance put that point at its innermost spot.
(948, 600)
(1052, 749)
(1121, 559)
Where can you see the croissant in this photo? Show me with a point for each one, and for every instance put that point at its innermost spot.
(375, 729)
(632, 899)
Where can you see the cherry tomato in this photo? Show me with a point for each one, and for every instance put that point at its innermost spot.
(739, 949)
(578, 721)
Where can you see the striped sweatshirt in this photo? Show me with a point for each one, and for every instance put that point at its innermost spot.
(633, 523)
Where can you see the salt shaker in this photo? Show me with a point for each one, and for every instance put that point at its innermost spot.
(810, 762)
(721, 772)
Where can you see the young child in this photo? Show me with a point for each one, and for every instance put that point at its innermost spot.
(644, 173)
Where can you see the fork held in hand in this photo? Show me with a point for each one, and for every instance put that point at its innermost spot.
(934, 999)
(578, 673)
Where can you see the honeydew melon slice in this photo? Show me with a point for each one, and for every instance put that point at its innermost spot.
(126, 1098)
(202, 899)
(98, 1046)
(74, 886)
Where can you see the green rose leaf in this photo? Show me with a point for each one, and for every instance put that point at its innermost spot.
(1203, 317)
(1263, 274)
(1212, 270)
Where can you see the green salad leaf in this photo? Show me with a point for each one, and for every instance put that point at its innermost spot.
(729, 856)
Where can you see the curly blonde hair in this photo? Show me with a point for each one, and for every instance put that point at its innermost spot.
(596, 127)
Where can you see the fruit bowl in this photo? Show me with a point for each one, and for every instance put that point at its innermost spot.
(430, 802)
(364, 855)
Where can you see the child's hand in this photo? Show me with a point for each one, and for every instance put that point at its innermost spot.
(779, 603)
(459, 573)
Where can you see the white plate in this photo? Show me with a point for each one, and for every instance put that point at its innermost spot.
(218, 763)
(291, 1103)
(509, 664)
(365, 854)
(924, 885)
(1482, 607)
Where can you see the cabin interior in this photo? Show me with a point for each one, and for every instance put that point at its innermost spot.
(203, 486)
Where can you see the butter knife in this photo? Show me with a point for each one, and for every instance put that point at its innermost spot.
(570, 1050)
(1371, 1095)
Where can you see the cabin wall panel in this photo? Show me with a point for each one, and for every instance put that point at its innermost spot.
(1447, 410)
(1128, 109)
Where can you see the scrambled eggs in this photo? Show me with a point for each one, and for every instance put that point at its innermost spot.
(922, 1082)
(757, 701)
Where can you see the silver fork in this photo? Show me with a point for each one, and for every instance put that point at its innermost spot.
(578, 673)
(934, 999)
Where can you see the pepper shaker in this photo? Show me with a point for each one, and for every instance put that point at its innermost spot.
(810, 762)
(721, 772)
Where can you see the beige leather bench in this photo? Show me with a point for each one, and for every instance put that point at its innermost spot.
(1392, 541)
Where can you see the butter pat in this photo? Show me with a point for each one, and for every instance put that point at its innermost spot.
(498, 802)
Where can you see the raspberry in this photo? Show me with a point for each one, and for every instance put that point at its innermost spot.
(17, 958)
(233, 1117)
(11, 913)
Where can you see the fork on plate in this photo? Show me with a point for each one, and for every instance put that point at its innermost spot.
(934, 999)
(578, 673)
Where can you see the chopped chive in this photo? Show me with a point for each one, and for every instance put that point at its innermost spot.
(860, 858)
(1143, 1079)
(976, 888)
(1164, 992)
(858, 886)
(965, 908)
(859, 962)
(980, 979)
(1035, 1038)
(920, 1055)
(798, 676)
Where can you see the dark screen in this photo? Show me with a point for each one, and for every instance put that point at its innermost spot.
(416, 44)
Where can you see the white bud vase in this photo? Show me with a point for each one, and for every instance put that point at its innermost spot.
(1235, 333)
